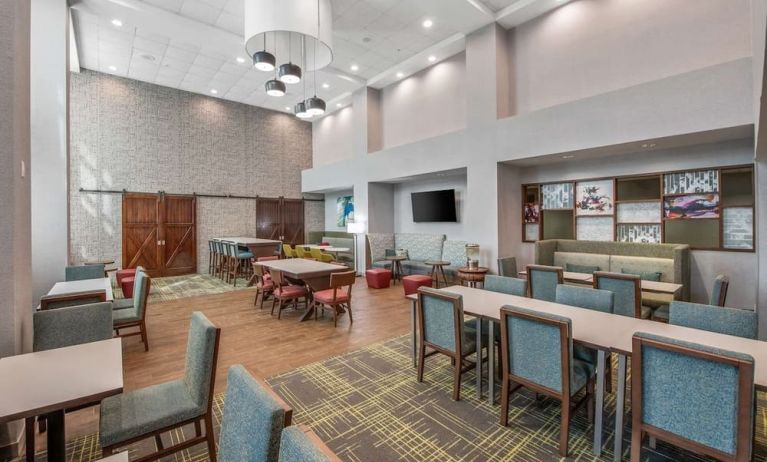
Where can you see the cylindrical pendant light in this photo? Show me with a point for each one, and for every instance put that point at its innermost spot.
(315, 106)
(263, 60)
(300, 111)
(275, 88)
(289, 72)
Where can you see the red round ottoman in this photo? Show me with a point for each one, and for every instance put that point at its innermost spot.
(414, 281)
(125, 273)
(127, 286)
(378, 278)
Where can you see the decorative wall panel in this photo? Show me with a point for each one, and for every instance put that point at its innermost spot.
(738, 228)
(594, 228)
(531, 232)
(137, 136)
(594, 197)
(639, 212)
(701, 181)
(648, 234)
(557, 196)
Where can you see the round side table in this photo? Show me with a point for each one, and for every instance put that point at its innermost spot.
(472, 277)
(396, 267)
(437, 269)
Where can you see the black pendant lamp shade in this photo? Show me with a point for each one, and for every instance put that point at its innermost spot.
(289, 73)
(315, 106)
(300, 110)
(264, 61)
(275, 88)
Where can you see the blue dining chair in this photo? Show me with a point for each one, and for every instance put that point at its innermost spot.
(123, 303)
(254, 417)
(718, 298)
(139, 414)
(543, 281)
(135, 316)
(693, 396)
(78, 273)
(299, 444)
(442, 329)
(730, 321)
(507, 266)
(506, 285)
(628, 293)
(538, 354)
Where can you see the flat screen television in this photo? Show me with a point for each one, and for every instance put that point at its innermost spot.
(434, 206)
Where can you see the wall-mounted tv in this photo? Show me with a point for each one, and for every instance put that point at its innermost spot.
(434, 206)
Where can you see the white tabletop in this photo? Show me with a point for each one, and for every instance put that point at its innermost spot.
(45, 381)
(83, 285)
(119, 457)
(328, 248)
(244, 240)
(670, 288)
(300, 268)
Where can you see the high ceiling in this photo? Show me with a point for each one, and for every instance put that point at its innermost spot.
(197, 45)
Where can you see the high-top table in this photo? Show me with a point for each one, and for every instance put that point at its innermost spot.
(315, 274)
(259, 247)
(83, 285)
(49, 382)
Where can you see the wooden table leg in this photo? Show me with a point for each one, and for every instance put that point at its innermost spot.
(56, 436)
(444, 278)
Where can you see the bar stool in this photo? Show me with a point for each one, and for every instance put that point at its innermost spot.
(212, 256)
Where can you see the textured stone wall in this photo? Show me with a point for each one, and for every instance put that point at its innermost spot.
(137, 136)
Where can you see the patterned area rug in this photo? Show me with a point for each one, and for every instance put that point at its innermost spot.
(190, 285)
(367, 406)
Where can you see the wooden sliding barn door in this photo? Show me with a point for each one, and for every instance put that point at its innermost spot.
(160, 233)
(280, 219)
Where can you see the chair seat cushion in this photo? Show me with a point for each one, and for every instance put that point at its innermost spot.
(582, 372)
(646, 312)
(122, 303)
(326, 296)
(244, 255)
(135, 413)
(125, 315)
(290, 291)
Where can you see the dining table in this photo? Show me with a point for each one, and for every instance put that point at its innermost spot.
(315, 274)
(329, 249)
(83, 285)
(258, 246)
(50, 382)
(659, 287)
(606, 333)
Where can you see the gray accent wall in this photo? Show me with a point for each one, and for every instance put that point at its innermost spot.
(131, 135)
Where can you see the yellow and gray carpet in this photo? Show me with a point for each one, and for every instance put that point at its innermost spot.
(164, 289)
(367, 406)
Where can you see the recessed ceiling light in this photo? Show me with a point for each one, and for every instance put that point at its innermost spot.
(427, 23)
(240, 59)
(214, 91)
(117, 23)
(339, 104)
(325, 85)
(432, 58)
(569, 156)
(400, 75)
(112, 68)
(287, 108)
(648, 145)
(354, 67)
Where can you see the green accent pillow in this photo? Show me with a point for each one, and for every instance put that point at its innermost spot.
(573, 268)
(644, 275)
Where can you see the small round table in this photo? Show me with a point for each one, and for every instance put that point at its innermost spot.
(437, 270)
(396, 267)
(472, 276)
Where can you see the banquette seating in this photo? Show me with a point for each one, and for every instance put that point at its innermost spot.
(418, 248)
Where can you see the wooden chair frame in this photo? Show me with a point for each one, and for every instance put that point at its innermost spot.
(745, 422)
(511, 383)
(206, 418)
(624, 277)
(337, 282)
(550, 269)
(236, 264)
(258, 278)
(278, 281)
(212, 256)
(141, 323)
(46, 300)
(459, 360)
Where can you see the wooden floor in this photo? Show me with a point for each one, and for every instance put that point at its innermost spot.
(249, 336)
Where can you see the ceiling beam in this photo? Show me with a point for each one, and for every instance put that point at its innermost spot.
(482, 7)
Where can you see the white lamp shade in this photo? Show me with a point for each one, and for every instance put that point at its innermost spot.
(355, 228)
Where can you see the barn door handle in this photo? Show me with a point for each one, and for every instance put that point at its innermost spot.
(159, 242)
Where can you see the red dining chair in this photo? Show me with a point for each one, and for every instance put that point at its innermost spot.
(338, 297)
(284, 292)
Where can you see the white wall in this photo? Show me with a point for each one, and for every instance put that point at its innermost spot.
(429, 103)
(333, 137)
(331, 218)
(588, 47)
(705, 265)
(50, 142)
(403, 209)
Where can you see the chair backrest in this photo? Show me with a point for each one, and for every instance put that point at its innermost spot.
(212, 246)
(298, 444)
(287, 250)
(269, 258)
(506, 285)
(719, 291)
(226, 248)
(543, 281)
(537, 348)
(219, 247)
(277, 278)
(259, 271)
(586, 297)
(507, 266)
(50, 302)
(77, 273)
(141, 285)
(730, 321)
(440, 319)
(253, 419)
(627, 289)
(71, 325)
(201, 358)
(702, 394)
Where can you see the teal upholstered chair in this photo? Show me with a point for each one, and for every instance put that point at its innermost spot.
(718, 298)
(77, 273)
(696, 397)
(254, 417)
(299, 444)
(507, 266)
(628, 293)
(730, 321)
(66, 327)
(122, 303)
(543, 280)
(506, 285)
(442, 329)
(135, 316)
(538, 354)
(151, 411)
